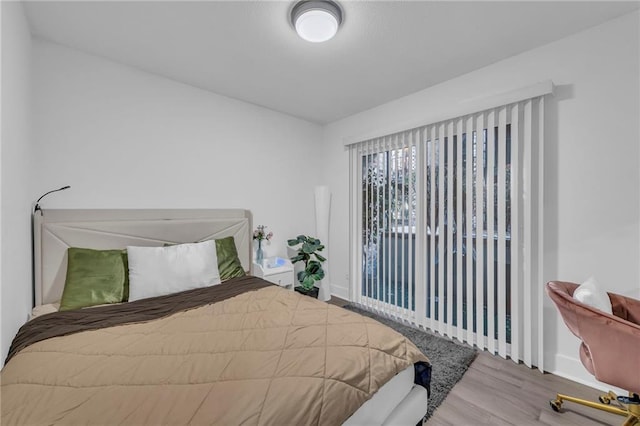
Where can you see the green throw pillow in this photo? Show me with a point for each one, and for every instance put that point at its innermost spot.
(95, 277)
(229, 265)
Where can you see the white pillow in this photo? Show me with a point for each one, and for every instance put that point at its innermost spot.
(590, 293)
(156, 271)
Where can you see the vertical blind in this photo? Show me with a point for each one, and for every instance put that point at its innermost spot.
(446, 227)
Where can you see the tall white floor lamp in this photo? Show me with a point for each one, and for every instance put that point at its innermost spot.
(323, 208)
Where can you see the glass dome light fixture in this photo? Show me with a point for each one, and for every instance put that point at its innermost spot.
(316, 20)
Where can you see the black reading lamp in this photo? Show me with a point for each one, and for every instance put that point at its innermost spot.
(37, 207)
(33, 264)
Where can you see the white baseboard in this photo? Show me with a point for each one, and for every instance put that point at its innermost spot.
(572, 369)
(339, 291)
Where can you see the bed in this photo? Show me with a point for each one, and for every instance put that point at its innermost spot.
(241, 352)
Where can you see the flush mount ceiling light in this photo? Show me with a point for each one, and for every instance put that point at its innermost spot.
(316, 20)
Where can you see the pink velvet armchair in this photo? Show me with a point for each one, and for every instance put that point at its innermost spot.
(610, 348)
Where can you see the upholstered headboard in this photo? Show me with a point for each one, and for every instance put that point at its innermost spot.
(56, 230)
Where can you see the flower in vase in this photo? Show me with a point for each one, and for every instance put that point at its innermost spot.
(260, 234)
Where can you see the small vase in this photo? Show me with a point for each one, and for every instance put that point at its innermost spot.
(259, 253)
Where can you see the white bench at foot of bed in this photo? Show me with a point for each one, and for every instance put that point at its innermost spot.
(399, 402)
(411, 410)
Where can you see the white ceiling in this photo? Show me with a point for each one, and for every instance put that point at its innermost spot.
(249, 51)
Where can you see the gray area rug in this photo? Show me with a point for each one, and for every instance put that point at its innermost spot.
(449, 360)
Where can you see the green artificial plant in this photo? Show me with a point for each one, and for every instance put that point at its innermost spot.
(309, 246)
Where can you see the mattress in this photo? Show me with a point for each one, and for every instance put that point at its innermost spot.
(373, 412)
(260, 356)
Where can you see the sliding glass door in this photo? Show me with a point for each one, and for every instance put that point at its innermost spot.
(440, 221)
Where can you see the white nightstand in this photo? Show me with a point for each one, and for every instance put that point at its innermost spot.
(276, 270)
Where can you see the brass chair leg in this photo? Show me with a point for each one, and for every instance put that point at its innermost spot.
(560, 398)
(631, 410)
(609, 397)
(634, 414)
(634, 409)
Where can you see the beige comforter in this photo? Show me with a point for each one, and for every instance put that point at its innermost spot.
(266, 356)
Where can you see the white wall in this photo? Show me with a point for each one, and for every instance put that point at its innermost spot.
(592, 161)
(124, 138)
(16, 171)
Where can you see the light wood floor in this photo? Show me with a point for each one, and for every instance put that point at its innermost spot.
(495, 392)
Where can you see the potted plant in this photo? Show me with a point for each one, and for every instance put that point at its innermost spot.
(308, 253)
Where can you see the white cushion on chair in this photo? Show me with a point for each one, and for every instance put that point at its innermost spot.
(590, 293)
